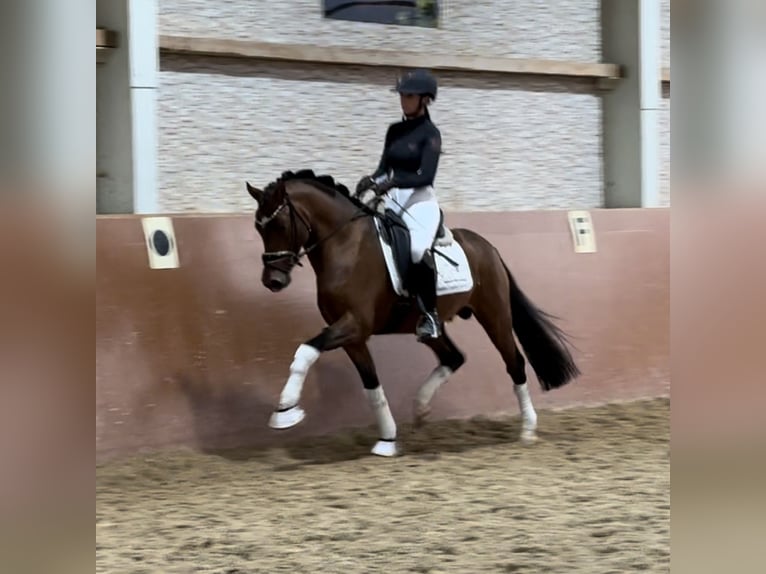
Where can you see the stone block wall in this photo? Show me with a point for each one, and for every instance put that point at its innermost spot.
(509, 142)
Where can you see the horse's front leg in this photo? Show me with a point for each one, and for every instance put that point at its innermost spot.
(289, 413)
(360, 356)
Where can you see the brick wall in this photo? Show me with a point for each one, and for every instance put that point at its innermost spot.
(565, 29)
(665, 115)
(510, 143)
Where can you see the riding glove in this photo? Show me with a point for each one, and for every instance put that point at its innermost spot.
(382, 187)
(364, 184)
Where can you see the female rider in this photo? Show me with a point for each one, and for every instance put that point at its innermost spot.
(406, 174)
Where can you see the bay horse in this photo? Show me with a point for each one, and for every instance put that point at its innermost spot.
(302, 214)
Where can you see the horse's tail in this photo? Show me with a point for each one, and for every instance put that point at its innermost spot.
(544, 343)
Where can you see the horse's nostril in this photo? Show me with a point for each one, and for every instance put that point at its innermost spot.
(275, 284)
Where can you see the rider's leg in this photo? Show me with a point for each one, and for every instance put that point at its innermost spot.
(422, 218)
(429, 325)
(396, 199)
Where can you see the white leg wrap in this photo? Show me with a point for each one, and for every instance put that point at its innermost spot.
(436, 379)
(529, 416)
(382, 411)
(305, 356)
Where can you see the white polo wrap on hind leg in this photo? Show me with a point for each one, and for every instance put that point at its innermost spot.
(304, 357)
(525, 405)
(435, 380)
(383, 414)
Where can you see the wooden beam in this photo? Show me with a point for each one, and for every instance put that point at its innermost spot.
(105, 38)
(389, 58)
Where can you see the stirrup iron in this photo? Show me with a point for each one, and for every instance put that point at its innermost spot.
(428, 327)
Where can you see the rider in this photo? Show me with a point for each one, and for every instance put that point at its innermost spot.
(406, 175)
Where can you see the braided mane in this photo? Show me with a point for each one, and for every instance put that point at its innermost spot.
(323, 183)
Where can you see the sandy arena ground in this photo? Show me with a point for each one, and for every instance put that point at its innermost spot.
(592, 495)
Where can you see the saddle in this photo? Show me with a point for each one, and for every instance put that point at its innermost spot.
(395, 233)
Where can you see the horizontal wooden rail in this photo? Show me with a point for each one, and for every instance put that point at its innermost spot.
(368, 57)
(105, 38)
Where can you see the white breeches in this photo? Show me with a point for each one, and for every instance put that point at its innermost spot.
(420, 212)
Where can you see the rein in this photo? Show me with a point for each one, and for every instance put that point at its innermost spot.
(275, 259)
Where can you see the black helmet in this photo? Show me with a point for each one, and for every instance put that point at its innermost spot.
(420, 82)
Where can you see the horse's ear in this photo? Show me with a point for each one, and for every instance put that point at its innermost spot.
(254, 192)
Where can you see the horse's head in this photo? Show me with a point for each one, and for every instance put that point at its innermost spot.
(284, 232)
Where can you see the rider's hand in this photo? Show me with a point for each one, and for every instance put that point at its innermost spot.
(382, 187)
(364, 184)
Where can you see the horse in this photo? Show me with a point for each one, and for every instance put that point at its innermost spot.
(301, 214)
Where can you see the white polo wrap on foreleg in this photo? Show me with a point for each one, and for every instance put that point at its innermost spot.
(382, 411)
(305, 356)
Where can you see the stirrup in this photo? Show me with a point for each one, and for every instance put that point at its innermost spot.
(428, 327)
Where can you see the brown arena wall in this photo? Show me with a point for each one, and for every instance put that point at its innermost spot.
(197, 356)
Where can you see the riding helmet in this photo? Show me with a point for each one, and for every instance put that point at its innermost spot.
(420, 82)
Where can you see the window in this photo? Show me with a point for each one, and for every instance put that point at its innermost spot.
(401, 12)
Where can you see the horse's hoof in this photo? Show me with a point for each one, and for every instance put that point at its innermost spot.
(528, 436)
(421, 414)
(386, 448)
(286, 419)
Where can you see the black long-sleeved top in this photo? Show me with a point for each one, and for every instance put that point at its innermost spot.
(411, 151)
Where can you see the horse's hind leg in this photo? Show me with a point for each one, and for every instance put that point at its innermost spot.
(360, 356)
(450, 360)
(499, 328)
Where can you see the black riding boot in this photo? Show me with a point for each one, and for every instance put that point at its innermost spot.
(429, 325)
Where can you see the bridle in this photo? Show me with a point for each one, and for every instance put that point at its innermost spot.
(285, 260)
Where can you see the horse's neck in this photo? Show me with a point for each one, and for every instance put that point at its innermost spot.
(330, 220)
(324, 211)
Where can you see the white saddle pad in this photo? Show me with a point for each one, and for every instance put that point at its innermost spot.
(450, 278)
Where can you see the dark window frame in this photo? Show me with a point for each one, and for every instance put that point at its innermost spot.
(420, 13)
